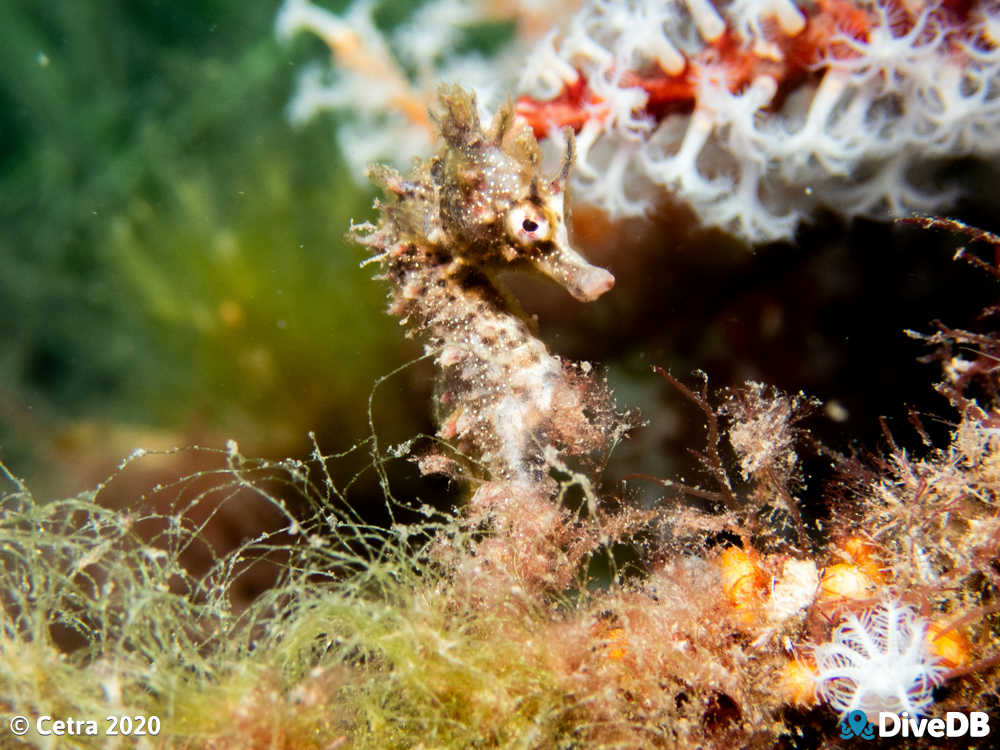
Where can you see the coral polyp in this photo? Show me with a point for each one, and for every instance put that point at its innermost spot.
(878, 661)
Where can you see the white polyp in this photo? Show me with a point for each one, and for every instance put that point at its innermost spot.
(763, 90)
(707, 19)
(684, 162)
(669, 57)
(790, 18)
(545, 73)
(878, 662)
(831, 88)
(816, 137)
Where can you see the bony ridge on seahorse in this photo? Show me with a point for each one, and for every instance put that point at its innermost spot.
(478, 207)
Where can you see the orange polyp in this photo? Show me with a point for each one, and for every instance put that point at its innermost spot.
(864, 554)
(847, 581)
(950, 646)
(615, 644)
(858, 549)
(797, 684)
(742, 580)
(612, 639)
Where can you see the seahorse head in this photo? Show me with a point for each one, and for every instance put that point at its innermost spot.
(497, 210)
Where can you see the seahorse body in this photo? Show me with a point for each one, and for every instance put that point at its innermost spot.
(480, 206)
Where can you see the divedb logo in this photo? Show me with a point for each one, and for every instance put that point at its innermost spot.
(954, 724)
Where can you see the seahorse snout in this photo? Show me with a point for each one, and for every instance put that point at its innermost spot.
(592, 284)
(586, 282)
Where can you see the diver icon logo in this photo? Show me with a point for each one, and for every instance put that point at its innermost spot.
(856, 724)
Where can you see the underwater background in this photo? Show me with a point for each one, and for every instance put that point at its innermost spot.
(174, 272)
(175, 269)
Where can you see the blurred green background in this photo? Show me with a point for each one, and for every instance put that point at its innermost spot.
(173, 262)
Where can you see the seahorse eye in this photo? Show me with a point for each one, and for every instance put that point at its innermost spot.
(527, 224)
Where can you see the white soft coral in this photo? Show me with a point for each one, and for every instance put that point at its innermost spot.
(878, 662)
(856, 115)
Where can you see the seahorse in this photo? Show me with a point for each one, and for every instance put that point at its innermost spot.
(479, 206)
